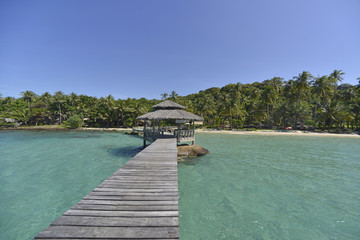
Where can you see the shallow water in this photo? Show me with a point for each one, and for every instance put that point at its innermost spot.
(248, 187)
(271, 187)
(44, 173)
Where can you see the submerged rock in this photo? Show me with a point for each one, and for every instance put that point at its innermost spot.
(131, 133)
(191, 151)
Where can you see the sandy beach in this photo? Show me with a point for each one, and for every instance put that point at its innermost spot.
(258, 132)
(273, 132)
(106, 129)
(57, 127)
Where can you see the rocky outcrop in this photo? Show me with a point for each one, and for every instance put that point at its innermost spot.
(191, 151)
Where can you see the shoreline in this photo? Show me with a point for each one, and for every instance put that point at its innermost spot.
(279, 133)
(59, 128)
(239, 132)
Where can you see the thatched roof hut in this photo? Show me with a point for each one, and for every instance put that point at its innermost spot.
(168, 105)
(169, 110)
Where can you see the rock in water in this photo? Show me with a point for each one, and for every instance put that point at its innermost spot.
(131, 133)
(191, 150)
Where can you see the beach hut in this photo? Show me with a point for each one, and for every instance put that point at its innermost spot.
(168, 111)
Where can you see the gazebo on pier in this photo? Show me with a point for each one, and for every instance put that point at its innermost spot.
(170, 112)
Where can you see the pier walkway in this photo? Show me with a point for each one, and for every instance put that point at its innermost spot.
(139, 201)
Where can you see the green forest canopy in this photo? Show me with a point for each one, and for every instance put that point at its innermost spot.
(303, 102)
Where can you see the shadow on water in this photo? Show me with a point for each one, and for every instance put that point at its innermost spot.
(124, 151)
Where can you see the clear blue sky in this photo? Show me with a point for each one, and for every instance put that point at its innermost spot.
(142, 48)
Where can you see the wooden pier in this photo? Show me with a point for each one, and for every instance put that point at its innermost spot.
(139, 201)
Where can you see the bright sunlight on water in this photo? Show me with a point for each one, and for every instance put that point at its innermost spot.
(271, 187)
(248, 187)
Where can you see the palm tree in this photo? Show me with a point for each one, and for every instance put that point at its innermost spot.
(140, 108)
(322, 90)
(28, 96)
(107, 110)
(302, 86)
(73, 99)
(23, 114)
(251, 96)
(225, 105)
(270, 96)
(332, 112)
(237, 106)
(208, 108)
(110, 110)
(173, 95)
(46, 98)
(335, 77)
(59, 98)
(355, 109)
(164, 96)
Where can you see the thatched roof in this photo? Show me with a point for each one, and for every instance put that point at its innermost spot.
(168, 105)
(169, 110)
(168, 114)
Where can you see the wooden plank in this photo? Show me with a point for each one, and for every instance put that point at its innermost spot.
(123, 185)
(139, 201)
(116, 221)
(132, 198)
(98, 213)
(117, 181)
(139, 181)
(137, 186)
(129, 203)
(133, 186)
(104, 238)
(108, 232)
(139, 190)
(148, 168)
(144, 190)
(146, 171)
(116, 193)
(150, 165)
(126, 208)
(144, 178)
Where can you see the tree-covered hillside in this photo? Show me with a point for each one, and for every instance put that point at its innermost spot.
(304, 102)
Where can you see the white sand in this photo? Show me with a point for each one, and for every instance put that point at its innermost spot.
(106, 129)
(271, 132)
(258, 132)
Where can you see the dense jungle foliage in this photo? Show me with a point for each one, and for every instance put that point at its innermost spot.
(304, 102)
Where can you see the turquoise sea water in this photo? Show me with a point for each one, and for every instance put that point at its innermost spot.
(248, 187)
(44, 173)
(272, 187)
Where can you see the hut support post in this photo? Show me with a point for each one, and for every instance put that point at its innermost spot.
(153, 127)
(193, 141)
(144, 134)
(178, 132)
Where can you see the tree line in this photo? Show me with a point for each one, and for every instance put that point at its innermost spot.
(57, 108)
(303, 102)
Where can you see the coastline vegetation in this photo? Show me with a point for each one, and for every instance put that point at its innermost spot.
(304, 102)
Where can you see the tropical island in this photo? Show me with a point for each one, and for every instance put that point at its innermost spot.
(304, 102)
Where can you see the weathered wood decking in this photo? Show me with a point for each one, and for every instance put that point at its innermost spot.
(139, 201)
